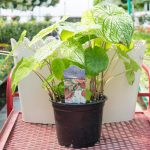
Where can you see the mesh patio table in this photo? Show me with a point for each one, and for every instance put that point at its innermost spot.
(127, 135)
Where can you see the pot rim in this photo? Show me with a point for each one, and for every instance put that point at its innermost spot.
(81, 104)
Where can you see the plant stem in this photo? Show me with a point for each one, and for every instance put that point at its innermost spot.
(49, 66)
(48, 84)
(93, 86)
(55, 94)
(122, 72)
(6, 52)
(110, 63)
(41, 78)
(102, 83)
(116, 75)
(90, 44)
(102, 74)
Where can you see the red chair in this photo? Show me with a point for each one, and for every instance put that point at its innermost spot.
(9, 95)
(147, 70)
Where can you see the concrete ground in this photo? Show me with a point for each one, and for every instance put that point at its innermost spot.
(3, 115)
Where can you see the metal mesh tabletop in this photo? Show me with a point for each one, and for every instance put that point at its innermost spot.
(131, 135)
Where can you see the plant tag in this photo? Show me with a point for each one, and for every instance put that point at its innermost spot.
(74, 82)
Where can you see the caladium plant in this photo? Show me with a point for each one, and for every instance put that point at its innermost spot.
(85, 44)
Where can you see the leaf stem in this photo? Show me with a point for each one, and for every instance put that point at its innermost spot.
(49, 67)
(6, 52)
(102, 74)
(90, 45)
(93, 86)
(49, 85)
(116, 75)
(43, 79)
(102, 83)
(110, 63)
(122, 72)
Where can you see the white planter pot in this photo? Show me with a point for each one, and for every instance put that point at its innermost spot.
(35, 105)
(122, 97)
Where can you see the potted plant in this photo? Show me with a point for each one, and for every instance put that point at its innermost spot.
(86, 44)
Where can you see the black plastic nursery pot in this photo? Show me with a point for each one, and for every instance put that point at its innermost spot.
(78, 125)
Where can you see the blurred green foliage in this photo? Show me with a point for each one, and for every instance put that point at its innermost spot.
(95, 2)
(143, 36)
(5, 68)
(138, 4)
(14, 30)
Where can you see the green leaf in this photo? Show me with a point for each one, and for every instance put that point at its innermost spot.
(71, 50)
(23, 34)
(72, 27)
(69, 63)
(130, 75)
(42, 64)
(66, 35)
(88, 95)
(127, 59)
(123, 55)
(46, 50)
(58, 68)
(99, 42)
(49, 79)
(81, 32)
(117, 25)
(134, 64)
(96, 60)
(131, 67)
(60, 64)
(68, 30)
(125, 48)
(89, 33)
(22, 69)
(87, 18)
(47, 31)
(85, 38)
(66, 62)
(59, 89)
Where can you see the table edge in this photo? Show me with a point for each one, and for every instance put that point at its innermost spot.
(7, 128)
